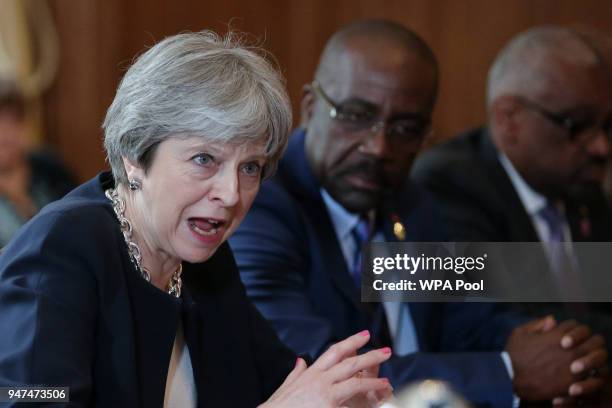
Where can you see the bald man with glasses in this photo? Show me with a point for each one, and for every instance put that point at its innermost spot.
(535, 173)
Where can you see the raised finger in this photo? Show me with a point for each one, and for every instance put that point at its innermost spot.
(353, 386)
(371, 372)
(350, 366)
(341, 350)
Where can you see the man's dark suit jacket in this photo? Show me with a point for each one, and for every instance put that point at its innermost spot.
(479, 204)
(75, 312)
(293, 268)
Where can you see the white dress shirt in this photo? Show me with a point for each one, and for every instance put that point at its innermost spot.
(533, 202)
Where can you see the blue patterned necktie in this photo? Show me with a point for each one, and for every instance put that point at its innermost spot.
(361, 235)
(554, 220)
(561, 260)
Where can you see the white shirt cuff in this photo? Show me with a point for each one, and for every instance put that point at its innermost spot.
(516, 401)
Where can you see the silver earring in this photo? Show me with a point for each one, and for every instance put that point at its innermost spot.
(134, 184)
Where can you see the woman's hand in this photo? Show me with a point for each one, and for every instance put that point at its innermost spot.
(338, 378)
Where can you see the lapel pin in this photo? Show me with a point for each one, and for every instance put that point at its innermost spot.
(398, 228)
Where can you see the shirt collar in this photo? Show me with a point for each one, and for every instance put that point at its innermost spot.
(343, 221)
(531, 199)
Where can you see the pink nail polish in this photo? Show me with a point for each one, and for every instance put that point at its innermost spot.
(364, 333)
(297, 361)
(386, 350)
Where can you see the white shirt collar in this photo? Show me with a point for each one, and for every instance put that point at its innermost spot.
(531, 199)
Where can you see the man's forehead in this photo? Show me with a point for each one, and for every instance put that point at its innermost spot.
(576, 85)
(395, 71)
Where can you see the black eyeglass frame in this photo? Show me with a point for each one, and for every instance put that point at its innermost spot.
(335, 112)
(566, 122)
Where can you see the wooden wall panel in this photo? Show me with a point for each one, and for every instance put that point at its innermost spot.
(100, 37)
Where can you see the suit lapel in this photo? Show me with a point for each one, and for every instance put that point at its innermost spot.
(300, 181)
(215, 322)
(156, 317)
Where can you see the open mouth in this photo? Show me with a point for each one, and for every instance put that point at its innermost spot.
(205, 226)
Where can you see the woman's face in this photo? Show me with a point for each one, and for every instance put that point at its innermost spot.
(194, 195)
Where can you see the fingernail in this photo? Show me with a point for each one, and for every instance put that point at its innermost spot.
(575, 389)
(297, 362)
(364, 333)
(566, 342)
(386, 350)
(557, 401)
(576, 367)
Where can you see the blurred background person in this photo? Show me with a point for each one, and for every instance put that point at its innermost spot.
(29, 178)
(535, 172)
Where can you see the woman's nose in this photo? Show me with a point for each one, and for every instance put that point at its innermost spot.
(226, 188)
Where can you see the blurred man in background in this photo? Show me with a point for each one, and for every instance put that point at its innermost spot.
(535, 172)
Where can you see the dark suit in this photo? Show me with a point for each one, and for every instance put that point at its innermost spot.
(293, 268)
(479, 204)
(75, 312)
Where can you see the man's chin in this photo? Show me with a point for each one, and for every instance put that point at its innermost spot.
(359, 201)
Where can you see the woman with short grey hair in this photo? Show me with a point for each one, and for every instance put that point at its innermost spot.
(197, 84)
(126, 291)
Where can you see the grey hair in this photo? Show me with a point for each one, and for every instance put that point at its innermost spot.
(525, 62)
(197, 84)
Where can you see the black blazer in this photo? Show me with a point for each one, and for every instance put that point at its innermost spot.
(75, 312)
(479, 203)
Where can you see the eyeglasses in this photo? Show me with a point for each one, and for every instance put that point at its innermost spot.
(579, 131)
(359, 120)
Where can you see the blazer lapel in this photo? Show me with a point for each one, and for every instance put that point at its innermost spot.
(299, 179)
(215, 322)
(156, 316)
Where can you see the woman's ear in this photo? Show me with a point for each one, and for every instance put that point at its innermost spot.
(306, 105)
(133, 170)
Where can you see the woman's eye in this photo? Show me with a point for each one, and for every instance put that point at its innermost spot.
(203, 159)
(252, 169)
